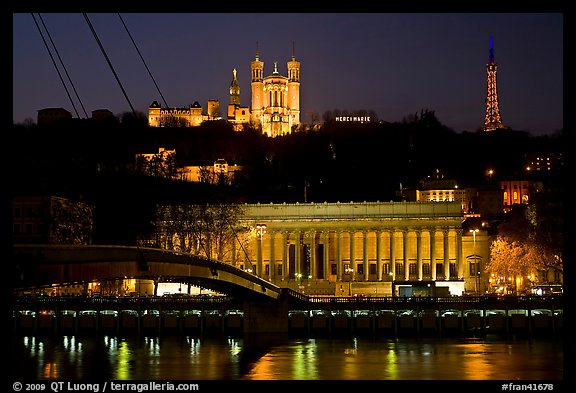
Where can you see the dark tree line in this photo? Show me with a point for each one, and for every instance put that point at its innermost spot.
(95, 163)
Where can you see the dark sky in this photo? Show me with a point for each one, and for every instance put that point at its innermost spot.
(395, 64)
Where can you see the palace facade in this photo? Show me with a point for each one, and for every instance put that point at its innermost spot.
(370, 248)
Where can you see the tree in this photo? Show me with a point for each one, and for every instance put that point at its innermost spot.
(208, 230)
(525, 249)
(70, 222)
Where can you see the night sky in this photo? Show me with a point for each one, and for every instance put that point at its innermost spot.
(395, 64)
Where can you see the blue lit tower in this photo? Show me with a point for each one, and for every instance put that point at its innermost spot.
(493, 120)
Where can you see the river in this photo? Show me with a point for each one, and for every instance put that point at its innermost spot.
(167, 358)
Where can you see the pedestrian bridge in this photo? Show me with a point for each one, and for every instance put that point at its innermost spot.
(44, 265)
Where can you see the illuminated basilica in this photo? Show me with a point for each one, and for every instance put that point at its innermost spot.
(275, 103)
(276, 98)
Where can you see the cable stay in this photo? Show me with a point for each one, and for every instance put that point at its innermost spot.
(63, 66)
(55, 65)
(109, 62)
(143, 61)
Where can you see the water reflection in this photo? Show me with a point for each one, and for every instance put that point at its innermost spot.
(190, 358)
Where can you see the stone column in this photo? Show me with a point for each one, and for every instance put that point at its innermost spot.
(365, 260)
(433, 253)
(446, 254)
(298, 256)
(338, 255)
(392, 255)
(326, 255)
(459, 261)
(285, 255)
(312, 255)
(352, 259)
(419, 253)
(258, 271)
(378, 255)
(405, 254)
(272, 257)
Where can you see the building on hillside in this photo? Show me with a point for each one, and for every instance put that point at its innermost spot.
(162, 164)
(219, 173)
(275, 98)
(191, 116)
(518, 191)
(543, 161)
(49, 116)
(51, 219)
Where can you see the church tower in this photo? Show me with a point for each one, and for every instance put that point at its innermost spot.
(294, 89)
(234, 95)
(493, 120)
(257, 67)
(237, 115)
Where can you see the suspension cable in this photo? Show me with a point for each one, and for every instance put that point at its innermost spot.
(55, 66)
(142, 58)
(109, 62)
(63, 65)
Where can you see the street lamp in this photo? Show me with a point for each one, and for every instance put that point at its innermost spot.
(299, 281)
(349, 271)
(477, 262)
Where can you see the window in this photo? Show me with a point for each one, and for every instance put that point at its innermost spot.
(426, 269)
(385, 268)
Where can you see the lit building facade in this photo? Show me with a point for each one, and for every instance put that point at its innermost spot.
(275, 98)
(518, 191)
(190, 116)
(369, 248)
(219, 172)
(493, 119)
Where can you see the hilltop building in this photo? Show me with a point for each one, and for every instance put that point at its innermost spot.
(276, 98)
(190, 116)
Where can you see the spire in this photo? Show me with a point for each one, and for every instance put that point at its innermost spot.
(257, 53)
(491, 58)
(275, 67)
(293, 52)
(234, 90)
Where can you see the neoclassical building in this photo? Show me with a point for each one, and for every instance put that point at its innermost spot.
(275, 98)
(370, 248)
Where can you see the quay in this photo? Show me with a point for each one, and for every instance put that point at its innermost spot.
(306, 316)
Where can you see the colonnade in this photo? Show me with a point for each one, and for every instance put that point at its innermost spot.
(358, 254)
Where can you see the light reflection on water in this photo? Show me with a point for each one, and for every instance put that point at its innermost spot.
(189, 358)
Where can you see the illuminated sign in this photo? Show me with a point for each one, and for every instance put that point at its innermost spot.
(358, 119)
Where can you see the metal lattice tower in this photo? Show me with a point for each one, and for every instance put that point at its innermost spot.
(493, 120)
